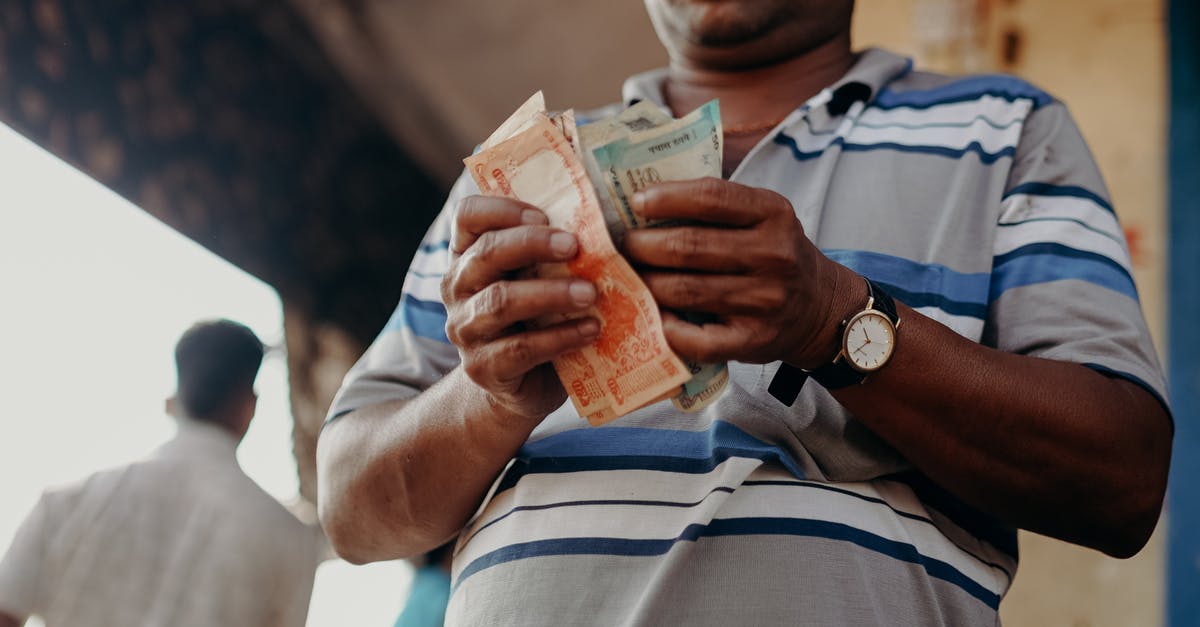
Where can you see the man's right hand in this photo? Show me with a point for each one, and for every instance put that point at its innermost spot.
(490, 297)
(398, 478)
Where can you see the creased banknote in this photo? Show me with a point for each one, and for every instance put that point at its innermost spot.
(642, 116)
(642, 146)
(630, 364)
(687, 148)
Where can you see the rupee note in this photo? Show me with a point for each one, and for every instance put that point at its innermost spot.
(630, 364)
(688, 148)
(624, 160)
(642, 116)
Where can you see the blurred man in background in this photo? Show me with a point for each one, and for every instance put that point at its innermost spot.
(183, 538)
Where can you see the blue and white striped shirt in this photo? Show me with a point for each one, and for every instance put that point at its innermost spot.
(974, 201)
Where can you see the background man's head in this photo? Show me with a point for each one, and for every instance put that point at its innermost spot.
(216, 362)
(744, 34)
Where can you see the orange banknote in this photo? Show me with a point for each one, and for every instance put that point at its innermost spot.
(630, 364)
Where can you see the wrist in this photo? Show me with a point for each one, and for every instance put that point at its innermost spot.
(491, 428)
(477, 407)
(847, 293)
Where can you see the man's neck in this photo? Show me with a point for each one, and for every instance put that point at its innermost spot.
(750, 93)
(757, 98)
(212, 426)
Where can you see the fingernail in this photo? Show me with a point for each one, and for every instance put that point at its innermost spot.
(529, 216)
(639, 199)
(583, 293)
(589, 328)
(563, 244)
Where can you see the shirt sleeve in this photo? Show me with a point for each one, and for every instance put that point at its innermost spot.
(412, 352)
(21, 569)
(1062, 282)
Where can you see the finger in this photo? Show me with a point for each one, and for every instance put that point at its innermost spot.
(707, 200)
(718, 294)
(477, 215)
(693, 248)
(505, 303)
(706, 343)
(517, 354)
(496, 253)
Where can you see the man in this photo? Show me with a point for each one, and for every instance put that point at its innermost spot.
(1020, 388)
(182, 538)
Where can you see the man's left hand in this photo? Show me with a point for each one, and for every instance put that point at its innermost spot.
(742, 257)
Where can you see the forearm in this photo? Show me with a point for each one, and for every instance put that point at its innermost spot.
(1049, 446)
(400, 478)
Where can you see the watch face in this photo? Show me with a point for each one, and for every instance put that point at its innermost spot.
(869, 340)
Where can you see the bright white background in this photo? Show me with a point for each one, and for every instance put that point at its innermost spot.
(93, 295)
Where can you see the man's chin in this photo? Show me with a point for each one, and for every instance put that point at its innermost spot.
(729, 38)
(725, 26)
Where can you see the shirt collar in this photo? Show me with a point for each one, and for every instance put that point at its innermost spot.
(196, 437)
(874, 68)
(869, 75)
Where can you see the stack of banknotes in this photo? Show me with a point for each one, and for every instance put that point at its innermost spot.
(583, 178)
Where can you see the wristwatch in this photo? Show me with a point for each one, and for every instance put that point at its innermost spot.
(868, 342)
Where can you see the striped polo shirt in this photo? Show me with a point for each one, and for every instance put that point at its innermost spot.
(973, 200)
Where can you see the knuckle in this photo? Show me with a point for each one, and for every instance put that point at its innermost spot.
(776, 209)
(713, 190)
(518, 352)
(464, 210)
(686, 290)
(454, 335)
(686, 245)
(493, 300)
(484, 249)
(533, 238)
(780, 202)
(455, 284)
(452, 326)
(769, 297)
(456, 327)
(708, 353)
(782, 256)
(467, 213)
(450, 281)
(476, 369)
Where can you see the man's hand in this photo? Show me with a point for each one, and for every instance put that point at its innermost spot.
(744, 258)
(489, 298)
(401, 477)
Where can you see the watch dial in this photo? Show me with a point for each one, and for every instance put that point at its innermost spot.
(869, 341)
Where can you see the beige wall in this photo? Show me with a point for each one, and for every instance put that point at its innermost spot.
(1106, 60)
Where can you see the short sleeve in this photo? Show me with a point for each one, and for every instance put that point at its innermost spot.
(1062, 282)
(412, 351)
(21, 570)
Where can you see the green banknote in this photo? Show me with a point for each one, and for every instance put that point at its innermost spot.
(642, 116)
(637, 148)
(687, 148)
